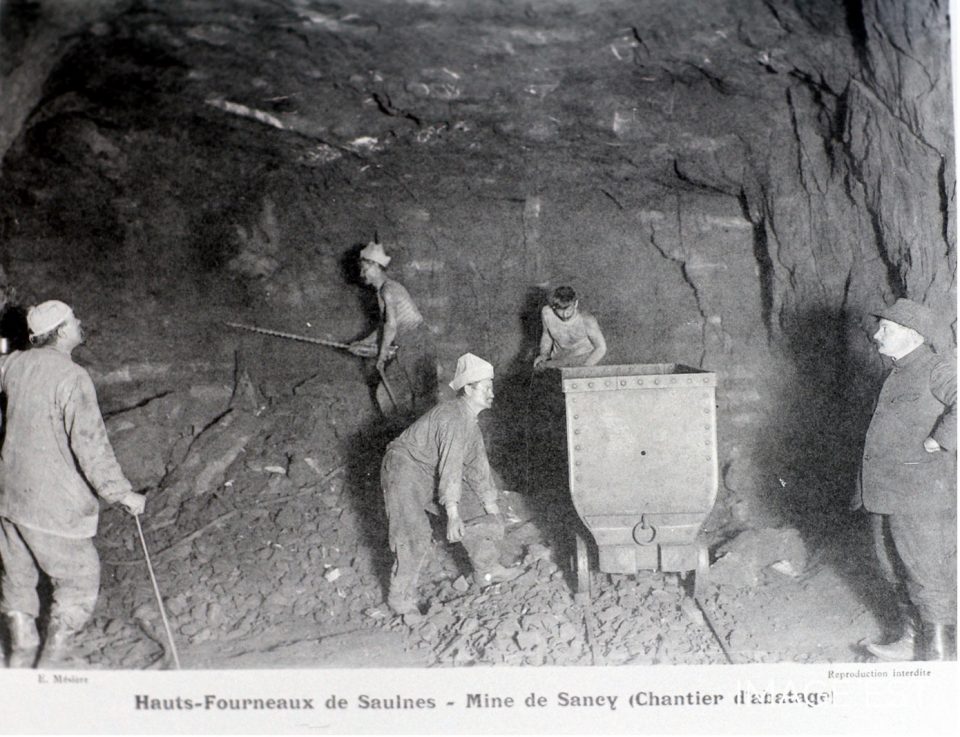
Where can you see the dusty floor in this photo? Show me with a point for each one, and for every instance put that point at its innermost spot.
(267, 535)
(190, 164)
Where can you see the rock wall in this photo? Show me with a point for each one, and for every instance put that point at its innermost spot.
(732, 187)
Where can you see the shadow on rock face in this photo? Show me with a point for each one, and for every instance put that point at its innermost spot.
(825, 403)
(13, 327)
(529, 448)
(362, 460)
(349, 266)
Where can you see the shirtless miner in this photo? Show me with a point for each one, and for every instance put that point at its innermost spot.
(571, 336)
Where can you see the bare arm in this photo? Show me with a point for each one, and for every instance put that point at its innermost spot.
(596, 338)
(389, 332)
(546, 340)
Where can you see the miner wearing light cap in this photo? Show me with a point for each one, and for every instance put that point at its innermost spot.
(55, 461)
(441, 457)
(414, 371)
(908, 484)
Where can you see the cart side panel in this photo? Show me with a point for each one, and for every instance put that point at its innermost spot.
(642, 451)
(640, 441)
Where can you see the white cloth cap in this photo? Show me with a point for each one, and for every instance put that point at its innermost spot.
(470, 368)
(374, 252)
(46, 316)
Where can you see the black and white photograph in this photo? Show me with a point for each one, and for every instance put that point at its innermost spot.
(463, 365)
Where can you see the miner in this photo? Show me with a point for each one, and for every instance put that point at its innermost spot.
(402, 326)
(442, 454)
(55, 461)
(907, 484)
(570, 336)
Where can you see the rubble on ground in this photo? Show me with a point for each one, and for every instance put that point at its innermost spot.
(288, 533)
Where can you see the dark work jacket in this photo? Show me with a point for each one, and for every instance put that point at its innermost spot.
(918, 400)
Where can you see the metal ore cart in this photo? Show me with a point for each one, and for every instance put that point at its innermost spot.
(642, 451)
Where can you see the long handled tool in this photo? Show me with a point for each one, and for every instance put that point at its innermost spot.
(372, 353)
(386, 385)
(289, 336)
(304, 338)
(156, 591)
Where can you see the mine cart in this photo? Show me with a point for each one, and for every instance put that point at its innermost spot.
(642, 452)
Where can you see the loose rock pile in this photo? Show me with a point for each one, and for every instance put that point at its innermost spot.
(266, 529)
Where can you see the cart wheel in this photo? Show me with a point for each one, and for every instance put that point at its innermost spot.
(583, 567)
(702, 575)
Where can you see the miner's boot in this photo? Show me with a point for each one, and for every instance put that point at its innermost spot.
(24, 640)
(57, 649)
(939, 641)
(905, 647)
(902, 649)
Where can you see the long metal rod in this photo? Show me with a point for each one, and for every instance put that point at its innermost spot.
(289, 336)
(315, 341)
(156, 591)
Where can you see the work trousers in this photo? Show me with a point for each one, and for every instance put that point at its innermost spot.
(414, 372)
(71, 563)
(408, 497)
(918, 550)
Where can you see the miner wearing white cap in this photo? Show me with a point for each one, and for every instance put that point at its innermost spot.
(402, 325)
(442, 455)
(55, 461)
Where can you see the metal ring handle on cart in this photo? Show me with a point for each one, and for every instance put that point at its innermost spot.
(643, 533)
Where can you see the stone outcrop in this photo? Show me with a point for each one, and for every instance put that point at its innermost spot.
(732, 188)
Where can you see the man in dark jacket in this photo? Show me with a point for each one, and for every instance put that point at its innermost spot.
(55, 461)
(907, 483)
